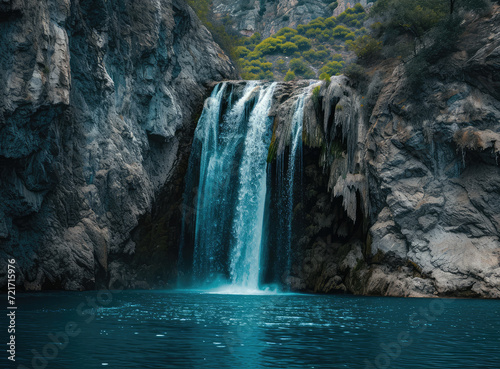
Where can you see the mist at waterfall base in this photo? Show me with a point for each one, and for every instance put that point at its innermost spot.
(238, 212)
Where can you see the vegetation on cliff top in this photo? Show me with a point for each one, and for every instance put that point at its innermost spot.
(316, 49)
(319, 48)
(415, 31)
(420, 32)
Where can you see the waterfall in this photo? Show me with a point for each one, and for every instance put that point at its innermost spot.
(295, 151)
(228, 187)
(249, 217)
(288, 181)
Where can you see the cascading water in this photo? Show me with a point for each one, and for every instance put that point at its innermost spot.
(287, 184)
(227, 186)
(295, 150)
(249, 216)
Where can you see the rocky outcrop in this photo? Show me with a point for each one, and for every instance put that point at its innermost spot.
(420, 171)
(97, 105)
(343, 5)
(269, 16)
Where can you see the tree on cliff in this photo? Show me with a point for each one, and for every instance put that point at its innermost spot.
(469, 5)
(414, 18)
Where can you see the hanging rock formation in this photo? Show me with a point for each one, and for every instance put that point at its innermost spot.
(421, 172)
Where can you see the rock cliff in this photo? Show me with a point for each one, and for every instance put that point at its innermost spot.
(417, 174)
(269, 16)
(97, 105)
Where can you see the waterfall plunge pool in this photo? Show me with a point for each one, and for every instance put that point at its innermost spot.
(196, 329)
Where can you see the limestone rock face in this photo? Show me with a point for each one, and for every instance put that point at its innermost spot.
(96, 106)
(421, 171)
(343, 5)
(269, 16)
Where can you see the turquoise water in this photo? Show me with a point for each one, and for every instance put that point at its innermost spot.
(145, 329)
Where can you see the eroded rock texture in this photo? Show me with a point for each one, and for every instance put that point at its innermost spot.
(422, 170)
(96, 106)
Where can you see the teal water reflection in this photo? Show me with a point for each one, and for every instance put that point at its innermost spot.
(158, 329)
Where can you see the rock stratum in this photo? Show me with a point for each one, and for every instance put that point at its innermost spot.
(97, 105)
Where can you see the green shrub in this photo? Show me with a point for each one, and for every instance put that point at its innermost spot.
(358, 8)
(355, 72)
(298, 66)
(354, 23)
(414, 69)
(322, 55)
(280, 65)
(302, 42)
(287, 32)
(313, 32)
(290, 76)
(365, 47)
(249, 76)
(325, 35)
(269, 46)
(445, 36)
(254, 55)
(337, 57)
(324, 76)
(361, 31)
(241, 51)
(332, 68)
(267, 75)
(413, 17)
(243, 62)
(340, 31)
(252, 69)
(315, 95)
(289, 48)
(350, 36)
(312, 55)
(266, 66)
(309, 54)
(254, 39)
(221, 30)
(330, 22)
(317, 23)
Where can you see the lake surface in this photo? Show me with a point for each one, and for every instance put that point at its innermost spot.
(181, 329)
